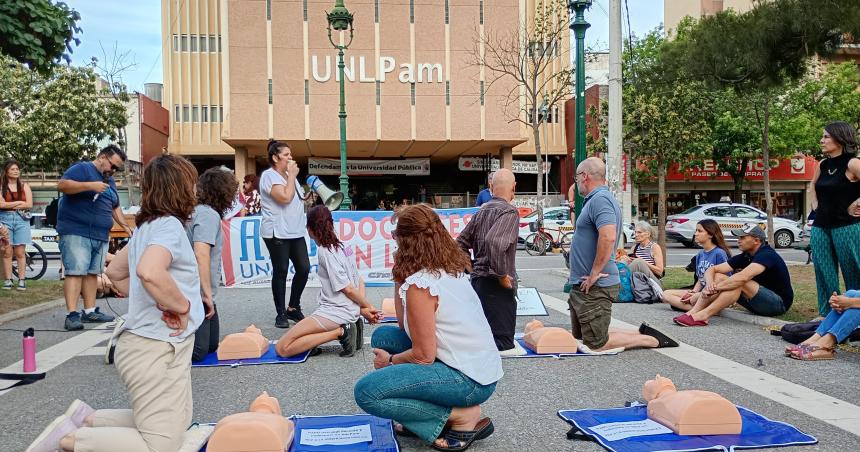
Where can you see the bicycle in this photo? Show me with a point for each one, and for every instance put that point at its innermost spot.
(541, 240)
(37, 262)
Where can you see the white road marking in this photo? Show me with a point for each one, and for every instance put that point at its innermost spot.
(94, 351)
(820, 406)
(52, 357)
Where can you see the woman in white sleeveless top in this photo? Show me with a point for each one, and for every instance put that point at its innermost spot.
(440, 363)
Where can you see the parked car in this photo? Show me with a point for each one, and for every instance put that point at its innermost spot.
(681, 227)
(44, 235)
(559, 218)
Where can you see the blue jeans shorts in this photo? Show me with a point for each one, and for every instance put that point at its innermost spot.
(83, 255)
(765, 302)
(19, 228)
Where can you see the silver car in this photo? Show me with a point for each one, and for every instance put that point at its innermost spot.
(681, 227)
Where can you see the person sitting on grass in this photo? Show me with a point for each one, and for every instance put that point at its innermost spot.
(843, 319)
(341, 298)
(714, 252)
(759, 281)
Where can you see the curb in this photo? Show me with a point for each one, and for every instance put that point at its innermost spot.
(30, 310)
(726, 313)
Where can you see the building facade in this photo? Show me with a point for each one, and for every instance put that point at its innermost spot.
(676, 10)
(237, 73)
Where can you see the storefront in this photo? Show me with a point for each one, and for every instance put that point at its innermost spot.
(791, 185)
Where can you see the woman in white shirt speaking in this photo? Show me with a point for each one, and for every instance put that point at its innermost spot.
(440, 364)
(283, 231)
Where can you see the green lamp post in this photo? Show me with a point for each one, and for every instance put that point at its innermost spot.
(340, 19)
(579, 25)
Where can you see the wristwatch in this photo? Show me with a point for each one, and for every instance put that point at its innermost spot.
(390, 360)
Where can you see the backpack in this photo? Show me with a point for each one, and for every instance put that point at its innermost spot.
(645, 289)
(51, 212)
(799, 332)
(626, 293)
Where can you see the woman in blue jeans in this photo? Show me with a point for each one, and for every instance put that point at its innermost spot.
(435, 369)
(842, 320)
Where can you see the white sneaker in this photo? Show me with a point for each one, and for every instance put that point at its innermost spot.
(78, 411)
(518, 350)
(49, 439)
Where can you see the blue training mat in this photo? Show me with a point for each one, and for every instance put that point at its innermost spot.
(531, 354)
(758, 432)
(381, 430)
(270, 357)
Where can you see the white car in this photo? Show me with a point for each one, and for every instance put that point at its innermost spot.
(681, 227)
(43, 235)
(559, 218)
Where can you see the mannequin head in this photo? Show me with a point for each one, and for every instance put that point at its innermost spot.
(658, 387)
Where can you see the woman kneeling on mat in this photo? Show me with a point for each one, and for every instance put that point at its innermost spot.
(341, 298)
(154, 345)
(437, 367)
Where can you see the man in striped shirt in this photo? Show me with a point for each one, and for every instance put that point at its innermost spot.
(492, 237)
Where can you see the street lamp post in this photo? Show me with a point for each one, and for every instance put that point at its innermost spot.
(579, 25)
(340, 19)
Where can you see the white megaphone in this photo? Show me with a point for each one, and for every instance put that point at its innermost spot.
(332, 199)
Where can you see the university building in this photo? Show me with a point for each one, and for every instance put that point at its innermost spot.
(423, 119)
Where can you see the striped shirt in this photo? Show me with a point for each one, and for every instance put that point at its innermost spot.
(644, 253)
(492, 236)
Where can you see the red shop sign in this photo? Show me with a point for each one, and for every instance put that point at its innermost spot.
(797, 168)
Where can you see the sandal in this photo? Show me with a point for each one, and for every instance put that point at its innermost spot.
(791, 349)
(808, 353)
(459, 441)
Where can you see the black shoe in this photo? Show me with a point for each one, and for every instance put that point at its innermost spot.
(281, 321)
(359, 327)
(96, 317)
(73, 321)
(348, 339)
(663, 339)
(316, 351)
(295, 315)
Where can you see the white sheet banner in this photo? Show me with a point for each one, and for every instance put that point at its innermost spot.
(517, 166)
(407, 167)
(367, 235)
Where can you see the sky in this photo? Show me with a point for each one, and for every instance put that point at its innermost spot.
(134, 26)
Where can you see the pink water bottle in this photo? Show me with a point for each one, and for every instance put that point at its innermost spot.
(29, 350)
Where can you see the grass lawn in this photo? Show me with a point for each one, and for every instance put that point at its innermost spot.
(804, 308)
(38, 291)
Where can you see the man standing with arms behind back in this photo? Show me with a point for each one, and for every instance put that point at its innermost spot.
(594, 276)
(492, 236)
(84, 219)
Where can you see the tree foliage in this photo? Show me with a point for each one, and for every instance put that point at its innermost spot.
(48, 121)
(37, 32)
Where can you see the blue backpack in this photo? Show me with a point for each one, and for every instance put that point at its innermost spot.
(625, 295)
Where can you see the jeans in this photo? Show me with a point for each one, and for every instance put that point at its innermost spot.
(418, 396)
(840, 325)
(765, 302)
(82, 255)
(19, 228)
(206, 337)
(282, 251)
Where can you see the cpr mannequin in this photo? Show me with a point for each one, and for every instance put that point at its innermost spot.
(388, 307)
(690, 412)
(548, 339)
(249, 344)
(262, 429)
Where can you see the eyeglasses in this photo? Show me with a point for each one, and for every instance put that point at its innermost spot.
(114, 168)
(581, 173)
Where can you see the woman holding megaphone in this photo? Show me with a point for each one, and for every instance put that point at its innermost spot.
(283, 231)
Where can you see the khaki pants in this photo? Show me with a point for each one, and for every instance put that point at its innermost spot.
(158, 377)
(591, 313)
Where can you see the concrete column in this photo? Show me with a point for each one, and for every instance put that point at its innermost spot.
(506, 157)
(241, 163)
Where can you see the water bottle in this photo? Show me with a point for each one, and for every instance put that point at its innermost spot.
(29, 343)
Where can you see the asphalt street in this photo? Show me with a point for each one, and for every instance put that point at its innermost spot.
(524, 405)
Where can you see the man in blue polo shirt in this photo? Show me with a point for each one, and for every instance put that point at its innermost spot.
(486, 194)
(84, 219)
(594, 279)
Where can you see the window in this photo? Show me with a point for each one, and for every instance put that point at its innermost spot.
(204, 44)
(378, 92)
(175, 112)
(308, 93)
(719, 211)
(411, 11)
(219, 43)
(482, 92)
(186, 113)
(204, 113)
(376, 11)
(215, 113)
(268, 9)
(213, 44)
(184, 46)
(446, 12)
(270, 91)
(447, 93)
(412, 88)
(305, 9)
(195, 113)
(554, 215)
(193, 43)
(481, 11)
(745, 212)
(175, 43)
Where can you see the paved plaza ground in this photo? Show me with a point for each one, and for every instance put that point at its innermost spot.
(736, 359)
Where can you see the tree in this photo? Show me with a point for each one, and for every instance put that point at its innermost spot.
(37, 32)
(533, 59)
(735, 139)
(50, 121)
(759, 53)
